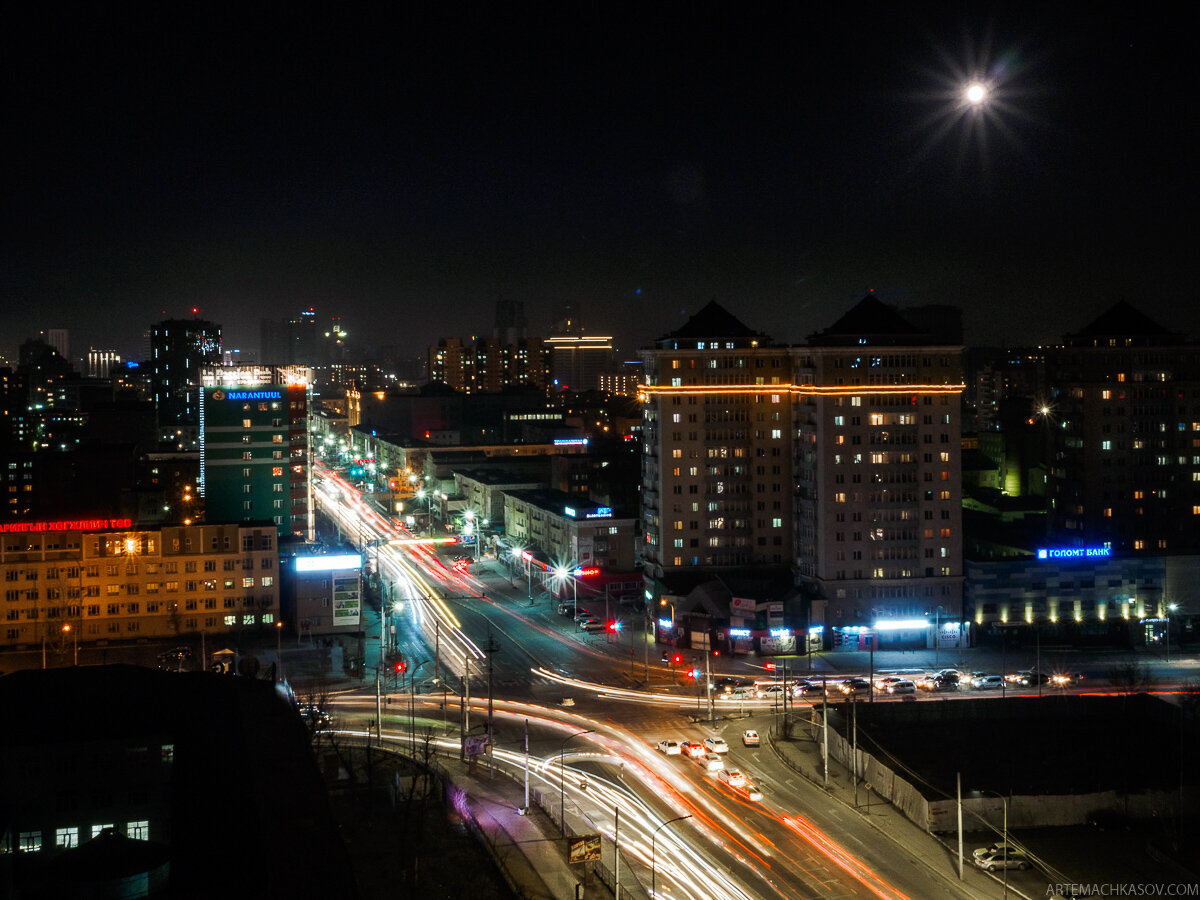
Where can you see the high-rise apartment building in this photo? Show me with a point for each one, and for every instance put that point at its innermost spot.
(1122, 420)
(841, 458)
(578, 361)
(488, 366)
(717, 469)
(878, 474)
(179, 347)
(254, 447)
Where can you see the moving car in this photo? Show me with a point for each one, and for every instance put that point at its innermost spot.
(710, 762)
(855, 686)
(732, 777)
(769, 690)
(727, 684)
(885, 683)
(988, 683)
(716, 745)
(902, 687)
(752, 793)
(750, 738)
(670, 748)
(693, 749)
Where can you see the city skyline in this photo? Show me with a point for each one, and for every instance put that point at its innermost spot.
(781, 162)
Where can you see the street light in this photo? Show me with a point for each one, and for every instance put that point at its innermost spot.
(564, 572)
(653, 838)
(74, 639)
(562, 782)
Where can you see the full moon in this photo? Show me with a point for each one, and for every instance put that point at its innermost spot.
(976, 94)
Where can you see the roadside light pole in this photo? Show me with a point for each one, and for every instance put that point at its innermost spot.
(653, 838)
(1003, 836)
(562, 782)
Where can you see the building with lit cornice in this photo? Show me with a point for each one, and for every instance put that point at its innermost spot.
(717, 468)
(878, 479)
(840, 459)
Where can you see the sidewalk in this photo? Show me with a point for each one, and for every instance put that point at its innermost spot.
(803, 755)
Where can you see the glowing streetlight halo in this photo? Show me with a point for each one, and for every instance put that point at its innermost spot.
(976, 93)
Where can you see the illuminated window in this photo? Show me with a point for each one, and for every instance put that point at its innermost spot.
(66, 838)
(231, 620)
(839, 497)
(877, 419)
(1106, 445)
(245, 423)
(839, 420)
(1106, 395)
(777, 523)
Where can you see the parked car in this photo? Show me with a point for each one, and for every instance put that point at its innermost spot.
(995, 847)
(902, 687)
(716, 745)
(1001, 859)
(670, 748)
(750, 738)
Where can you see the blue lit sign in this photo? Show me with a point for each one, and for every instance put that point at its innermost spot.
(664, 623)
(781, 632)
(569, 510)
(739, 632)
(247, 395)
(600, 512)
(570, 442)
(1075, 553)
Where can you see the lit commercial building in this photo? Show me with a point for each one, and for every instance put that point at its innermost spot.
(105, 580)
(577, 362)
(326, 591)
(254, 447)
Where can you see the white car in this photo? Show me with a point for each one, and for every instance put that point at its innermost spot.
(750, 738)
(1013, 859)
(670, 748)
(716, 745)
(709, 762)
(988, 683)
(732, 777)
(752, 792)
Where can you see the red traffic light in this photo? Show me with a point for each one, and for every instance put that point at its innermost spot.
(400, 667)
(770, 665)
(612, 625)
(677, 659)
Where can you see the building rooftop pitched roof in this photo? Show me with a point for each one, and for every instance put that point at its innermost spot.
(1122, 319)
(712, 321)
(870, 321)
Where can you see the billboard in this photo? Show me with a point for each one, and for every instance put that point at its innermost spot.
(347, 601)
(742, 606)
(584, 848)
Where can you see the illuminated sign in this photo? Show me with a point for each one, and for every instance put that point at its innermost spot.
(600, 512)
(246, 395)
(781, 632)
(570, 442)
(901, 624)
(739, 632)
(665, 623)
(328, 563)
(581, 572)
(569, 510)
(1075, 553)
(65, 525)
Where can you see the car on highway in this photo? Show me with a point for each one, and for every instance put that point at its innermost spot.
(769, 690)
(1000, 859)
(1065, 679)
(813, 688)
(902, 687)
(692, 748)
(937, 683)
(710, 762)
(750, 738)
(732, 777)
(988, 683)
(716, 745)
(670, 748)
(592, 626)
(850, 686)
(752, 793)
(728, 684)
(886, 682)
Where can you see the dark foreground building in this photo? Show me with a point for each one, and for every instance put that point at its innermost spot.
(155, 783)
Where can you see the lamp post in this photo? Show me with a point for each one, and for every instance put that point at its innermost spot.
(278, 651)
(653, 838)
(74, 640)
(562, 782)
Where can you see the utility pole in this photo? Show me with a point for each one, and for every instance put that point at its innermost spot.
(525, 808)
(712, 713)
(491, 650)
(854, 747)
(646, 648)
(617, 852)
(958, 777)
(464, 718)
(825, 729)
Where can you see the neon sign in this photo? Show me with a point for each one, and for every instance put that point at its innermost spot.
(1075, 553)
(600, 512)
(781, 632)
(247, 395)
(570, 442)
(581, 571)
(65, 525)
(739, 632)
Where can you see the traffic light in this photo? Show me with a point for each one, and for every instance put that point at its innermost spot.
(770, 665)
(613, 626)
(400, 667)
(677, 659)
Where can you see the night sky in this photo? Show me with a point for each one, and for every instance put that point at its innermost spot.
(405, 170)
